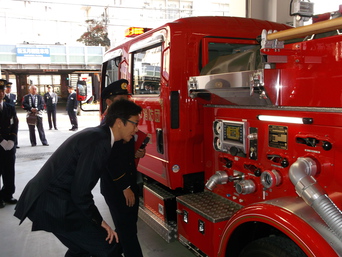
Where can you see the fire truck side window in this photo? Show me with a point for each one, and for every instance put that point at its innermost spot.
(112, 70)
(227, 57)
(146, 71)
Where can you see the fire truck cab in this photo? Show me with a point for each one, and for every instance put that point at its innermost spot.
(244, 149)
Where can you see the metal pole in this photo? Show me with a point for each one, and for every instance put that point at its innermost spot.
(315, 28)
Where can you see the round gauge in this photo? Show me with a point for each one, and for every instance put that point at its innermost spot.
(217, 127)
(217, 144)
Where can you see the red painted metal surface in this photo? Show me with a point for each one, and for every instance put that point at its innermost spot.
(326, 127)
(208, 241)
(310, 76)
(306, 85)
(154, 203)
(181, 46)
(291, 225)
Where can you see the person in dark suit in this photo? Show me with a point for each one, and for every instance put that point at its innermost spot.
(8, 135)
(59, 199)
(11, 99)
(71, 108)
(51, 99)
(33, 103)
(119, 183)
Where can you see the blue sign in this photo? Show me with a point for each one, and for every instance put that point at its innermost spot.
(33, 52)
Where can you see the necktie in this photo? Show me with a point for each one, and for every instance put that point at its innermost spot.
(33, 101)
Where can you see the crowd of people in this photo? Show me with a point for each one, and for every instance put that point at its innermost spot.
(59, 199)
(34, 105)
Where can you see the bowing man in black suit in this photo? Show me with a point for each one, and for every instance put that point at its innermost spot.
(8, 135)
(34, 103)
(59, 200)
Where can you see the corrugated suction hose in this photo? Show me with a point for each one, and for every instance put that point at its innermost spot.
(301, 175)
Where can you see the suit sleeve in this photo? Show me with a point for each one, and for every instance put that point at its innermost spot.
(40, 103)
(11, 123)
(75, 101)
(88, 171)
(15, 125)
(26, 104)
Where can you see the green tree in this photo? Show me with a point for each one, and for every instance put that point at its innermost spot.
(96, 34)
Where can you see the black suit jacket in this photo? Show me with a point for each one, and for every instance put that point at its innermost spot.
(8, 123)
(29, 103)
(59, 197)
(50, 100)
(121, 171)
(71, 102)
(12, 99)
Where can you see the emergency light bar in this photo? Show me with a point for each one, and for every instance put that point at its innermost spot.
(135, 31)
(295, 120)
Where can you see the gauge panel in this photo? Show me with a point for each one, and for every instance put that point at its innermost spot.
(229, 136)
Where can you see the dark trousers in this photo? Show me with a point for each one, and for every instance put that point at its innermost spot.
(125, 219)
(52, 114)
(7, 170)
(88, 241)
(41, 133)
(73, 119)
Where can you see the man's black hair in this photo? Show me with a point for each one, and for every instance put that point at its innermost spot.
(122, 109)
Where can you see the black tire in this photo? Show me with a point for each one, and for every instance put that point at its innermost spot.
(272, 247)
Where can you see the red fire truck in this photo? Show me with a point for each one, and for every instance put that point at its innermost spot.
(245, 130)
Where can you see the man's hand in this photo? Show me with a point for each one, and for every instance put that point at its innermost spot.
(111, 233)
(129, 195)
(140, 153)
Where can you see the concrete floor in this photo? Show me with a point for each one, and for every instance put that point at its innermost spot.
(19, 241)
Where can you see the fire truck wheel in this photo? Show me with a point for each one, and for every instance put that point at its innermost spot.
(275, 246)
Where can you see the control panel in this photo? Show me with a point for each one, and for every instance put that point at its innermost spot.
(230, 137)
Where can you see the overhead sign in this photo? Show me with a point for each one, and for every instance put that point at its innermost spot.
(33, 55)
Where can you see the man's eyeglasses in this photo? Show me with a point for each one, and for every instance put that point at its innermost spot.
(133, 122)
